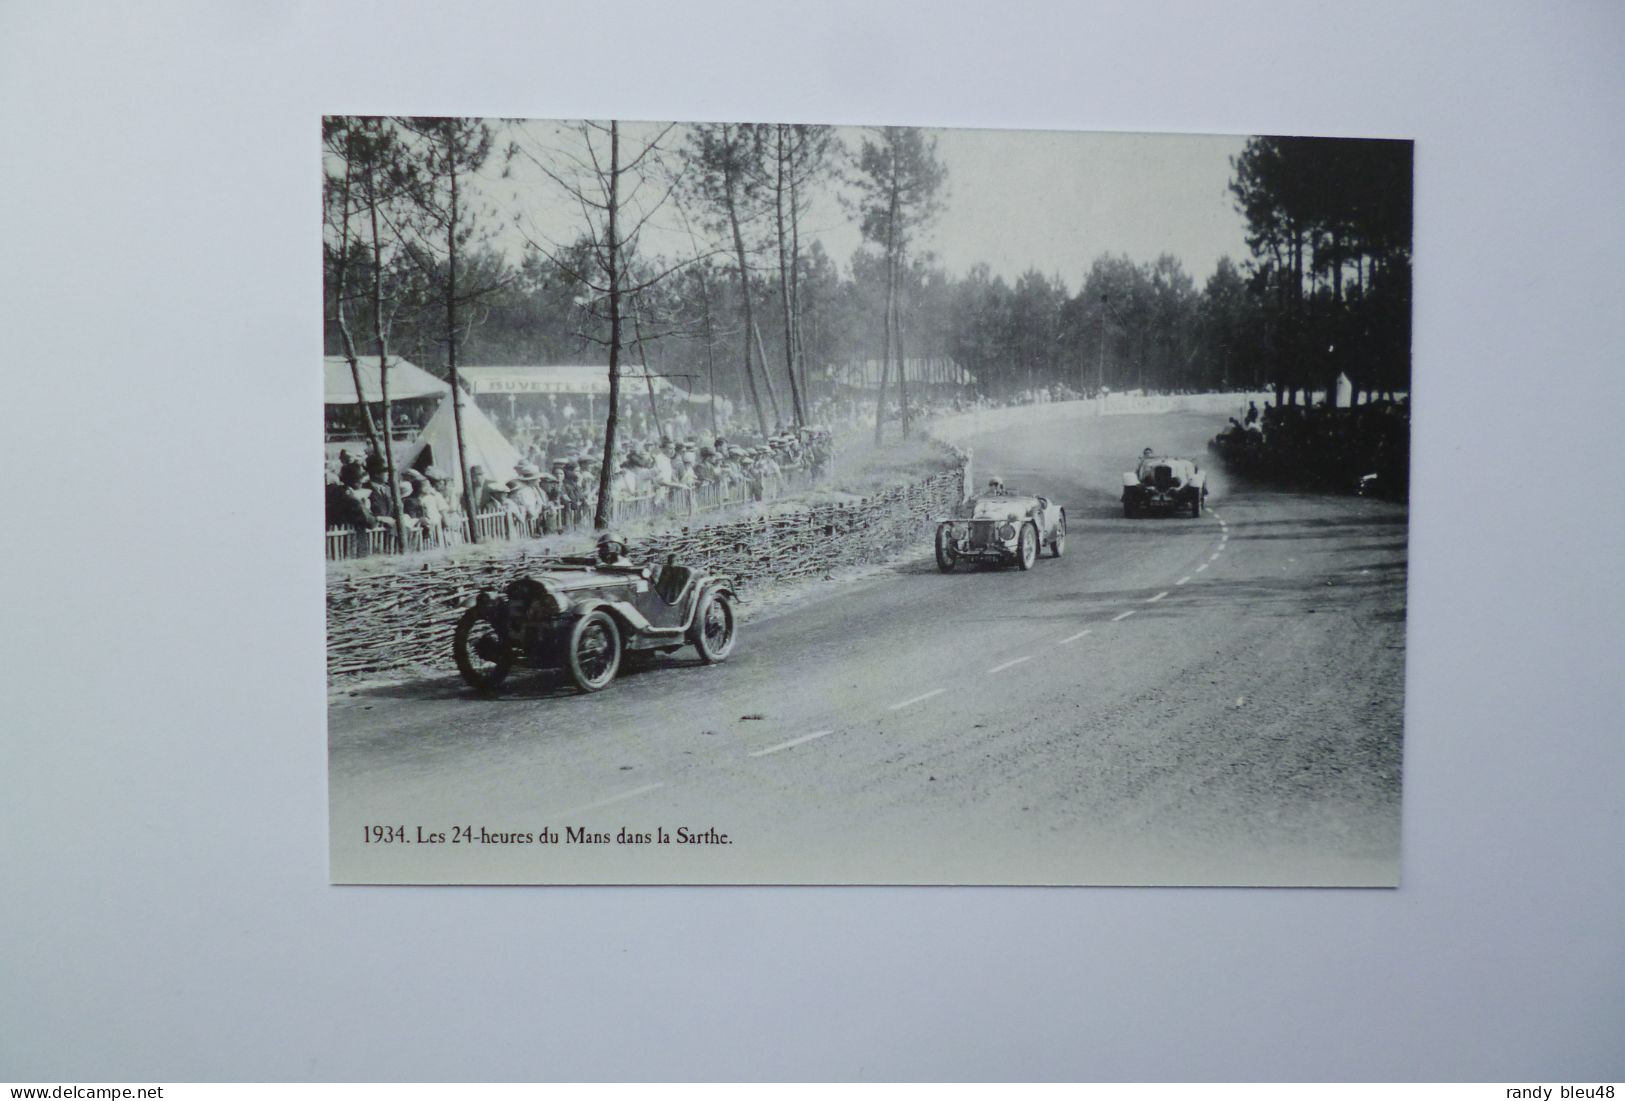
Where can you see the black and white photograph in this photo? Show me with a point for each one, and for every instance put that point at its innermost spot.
(779, 503)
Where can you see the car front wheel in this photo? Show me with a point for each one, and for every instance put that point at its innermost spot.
(946, 558)
(714, 628)
(482, 653)
(1027, 547)
(1058, 543)
(594, 654)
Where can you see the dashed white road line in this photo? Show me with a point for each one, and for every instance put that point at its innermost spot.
(633, 794)
(916, 699)
(923, 696)
(791, 743)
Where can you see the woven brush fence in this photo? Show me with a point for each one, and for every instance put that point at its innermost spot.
(403, 618)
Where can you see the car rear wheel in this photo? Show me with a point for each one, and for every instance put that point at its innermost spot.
(1058, 544)
(1027, 547)
(594, 653)
(946, 559)
(482, 653)
(1128, 509)
(1196, 505)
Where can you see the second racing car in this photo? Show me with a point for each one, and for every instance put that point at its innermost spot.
(1000, 527)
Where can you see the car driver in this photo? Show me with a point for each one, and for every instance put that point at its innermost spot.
(612, 551)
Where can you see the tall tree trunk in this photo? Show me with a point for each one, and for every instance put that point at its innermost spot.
(710, 356)
(795, 290)
(601, 515)
(451, 351)
(797, 413)
(772, 394)
(885, 377)
(744, 291)
(654, 409)
(1336, 315)
(902, 361)
(380, 334)
(894, 257)
(340, 289)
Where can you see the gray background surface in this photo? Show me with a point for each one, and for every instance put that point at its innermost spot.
(162, 768)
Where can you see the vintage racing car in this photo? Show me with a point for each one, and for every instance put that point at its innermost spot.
(998, 526)
(1163, 483)
(583, 616)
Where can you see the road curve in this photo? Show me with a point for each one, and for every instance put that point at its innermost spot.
(1174, 701)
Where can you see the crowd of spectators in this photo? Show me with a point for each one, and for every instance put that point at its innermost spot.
(1360, 449)
(555, 487)
(358, 495)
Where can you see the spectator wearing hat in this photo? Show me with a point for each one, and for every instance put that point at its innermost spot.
(489, 494)
(411, 510)
(626, 484)
(526, 497)
(660, 461)
(571, 492)
(438, 513)
(378, 497)
(552, 514)
(821, 452)
(349, 505)
(501, 498)
(765, 474)
(705, 467)
(350, 470)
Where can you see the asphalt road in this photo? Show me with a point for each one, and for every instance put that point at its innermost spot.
(1174, 701)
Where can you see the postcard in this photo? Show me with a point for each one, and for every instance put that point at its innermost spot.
(751, 503)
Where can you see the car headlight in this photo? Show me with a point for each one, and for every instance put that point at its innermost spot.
(1007, 531)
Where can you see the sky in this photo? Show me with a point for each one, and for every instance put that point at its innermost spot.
(1015, 199)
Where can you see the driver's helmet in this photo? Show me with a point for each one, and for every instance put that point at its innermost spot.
(995, 485)
(611, 545)
(1147, 453)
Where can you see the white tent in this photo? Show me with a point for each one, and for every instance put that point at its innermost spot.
(406, 381)
(485, 445)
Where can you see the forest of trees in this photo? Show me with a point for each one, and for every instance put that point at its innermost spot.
(752, 310)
